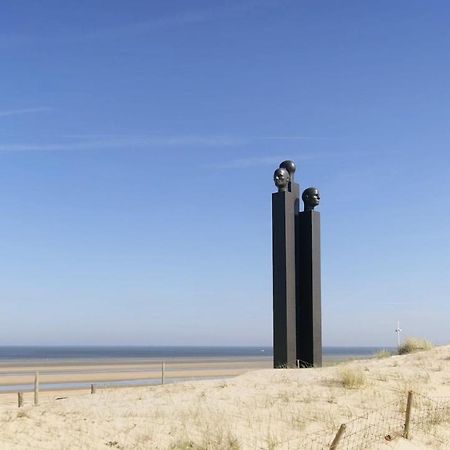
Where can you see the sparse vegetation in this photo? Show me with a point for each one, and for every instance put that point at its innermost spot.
(304, 365)
(113, 444)
(282, 366)
(183, 445)
(414, 345)
(383, 354)
(271, 442)
(218, 440)
(352, 378)
(219, 443)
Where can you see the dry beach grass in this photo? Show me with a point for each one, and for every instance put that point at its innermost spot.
(411, 345)
(269, 409)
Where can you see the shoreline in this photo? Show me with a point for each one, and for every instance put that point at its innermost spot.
(71, 375)
(60, 376)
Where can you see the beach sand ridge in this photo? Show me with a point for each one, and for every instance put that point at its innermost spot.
(268, 408)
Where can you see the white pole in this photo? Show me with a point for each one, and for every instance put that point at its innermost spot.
(398, 330)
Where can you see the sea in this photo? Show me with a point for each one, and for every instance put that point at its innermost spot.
(95, 353)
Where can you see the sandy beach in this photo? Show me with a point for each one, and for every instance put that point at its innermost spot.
(263, 408)
(63, 375)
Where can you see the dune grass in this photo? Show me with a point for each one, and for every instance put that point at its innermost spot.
(383, 354)
(352, 378)
(414, 345)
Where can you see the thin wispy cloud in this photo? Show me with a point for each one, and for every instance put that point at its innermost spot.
(245, 163)
(125, 142)
(16, 112)
(295, 138)
(85, 142)
(189, 17)
(174, 20)
(144, 27)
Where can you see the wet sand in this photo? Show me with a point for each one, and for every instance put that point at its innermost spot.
(64, 375)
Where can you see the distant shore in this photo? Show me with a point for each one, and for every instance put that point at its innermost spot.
(62, 373)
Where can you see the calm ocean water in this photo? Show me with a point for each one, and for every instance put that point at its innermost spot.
(9, 353)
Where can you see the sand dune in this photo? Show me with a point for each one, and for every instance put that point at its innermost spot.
(273, 409)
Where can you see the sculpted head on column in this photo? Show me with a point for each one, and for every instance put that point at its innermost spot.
(281, 178)
(290, 167)
(311, 198)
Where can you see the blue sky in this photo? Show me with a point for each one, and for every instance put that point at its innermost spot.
(137, 145)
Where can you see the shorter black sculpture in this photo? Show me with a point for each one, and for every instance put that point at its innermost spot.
(308, 288)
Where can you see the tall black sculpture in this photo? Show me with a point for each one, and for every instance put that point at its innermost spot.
(296, 273)
(285, 206)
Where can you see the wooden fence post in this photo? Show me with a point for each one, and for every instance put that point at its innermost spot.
(408, 415)
(337, 438)
(163, 366)
(36, 388)
(20, 399)
(92, 389)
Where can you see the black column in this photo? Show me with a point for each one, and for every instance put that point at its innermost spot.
(284, 297)
(308, 290)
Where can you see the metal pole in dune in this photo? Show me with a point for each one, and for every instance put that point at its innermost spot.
(36, 388)
(163, 366)
(398, 331)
